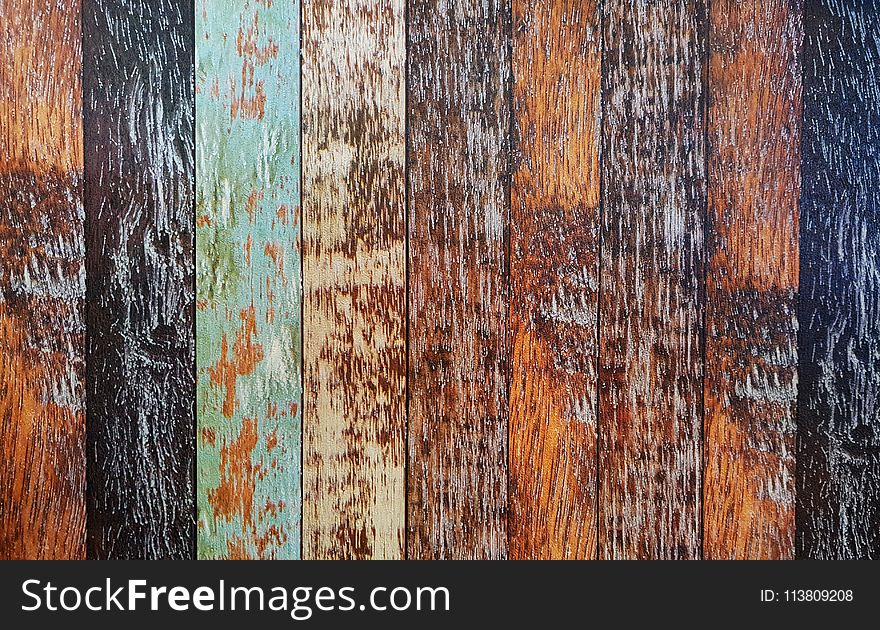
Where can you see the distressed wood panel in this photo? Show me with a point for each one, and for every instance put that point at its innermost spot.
(557, 59)
(42, 282)
(750, 389)
(354, 274)
(248, 279)
(838, 482)
(651, 314)
(139, 178)
(459, 121)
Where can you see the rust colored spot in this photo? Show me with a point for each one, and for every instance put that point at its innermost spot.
(271, 440)
(234, 495)
(209, 436)
(204, 221)
(276, 253)
(282, 214)
(236, 550)
(253, 199)
(247, 355)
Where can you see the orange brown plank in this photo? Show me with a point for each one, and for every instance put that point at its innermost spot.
(752, 279)
(42, 282)
(554, 278)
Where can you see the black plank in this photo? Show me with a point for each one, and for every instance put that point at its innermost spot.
(838, 506)
(139, 177)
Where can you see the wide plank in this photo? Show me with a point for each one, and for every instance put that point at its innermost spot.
(139, 179)
(458, 70)
(752, 279)
(42, 282)
(354, 279)
(838, 471)
(554, 278)
(248, 279)
(651, 295)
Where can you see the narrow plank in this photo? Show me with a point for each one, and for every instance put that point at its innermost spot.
(248, 279)
(42, 282)
(750, 389)
(354, 275)
(838, 474)
(557, 65)
(458, 70)
(139, 173)
(651, 315)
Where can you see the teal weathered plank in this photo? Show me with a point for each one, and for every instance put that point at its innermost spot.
(248, 279)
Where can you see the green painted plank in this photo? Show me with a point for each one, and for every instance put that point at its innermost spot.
(248, 279)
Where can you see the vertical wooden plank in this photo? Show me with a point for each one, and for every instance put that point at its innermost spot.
(651, 314)
(354, 273)
(752, 279)
(248, 279)
(557, 64)
(139, 171)
(42, 282)
(838, 482)
(459, 120)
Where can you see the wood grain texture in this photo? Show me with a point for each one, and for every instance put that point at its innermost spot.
(838, 482)
(139, 178)
(42, 282)
(651, 315)
(354, 279)
(248, 279)
(557, 59)
(459, 121)
(750, 389)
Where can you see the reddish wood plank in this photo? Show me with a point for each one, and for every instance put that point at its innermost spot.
(42, 282)
(458, 71)
(554, 278)
(651, 315)
(752, 279)
(354, 270)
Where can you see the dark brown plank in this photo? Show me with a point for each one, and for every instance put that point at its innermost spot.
(139, 176)
(458, 71)
(752, 279)
(557, 60)
(42, 282)
(651, 315)
(838, 472)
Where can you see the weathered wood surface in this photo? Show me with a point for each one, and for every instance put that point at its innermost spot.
(42, 282)
(752, 279)
(354, 279)
(838, 485)
(248, 279)
(139, 177)
(651, 314)
(554, 272)
(458, 71)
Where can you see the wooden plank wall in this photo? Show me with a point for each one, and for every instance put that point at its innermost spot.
(139, 176)
(554, 277)
(579, 279)
(354, 270)
(42, 282)
(248, 279)
(839, 346)
(458, 69)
